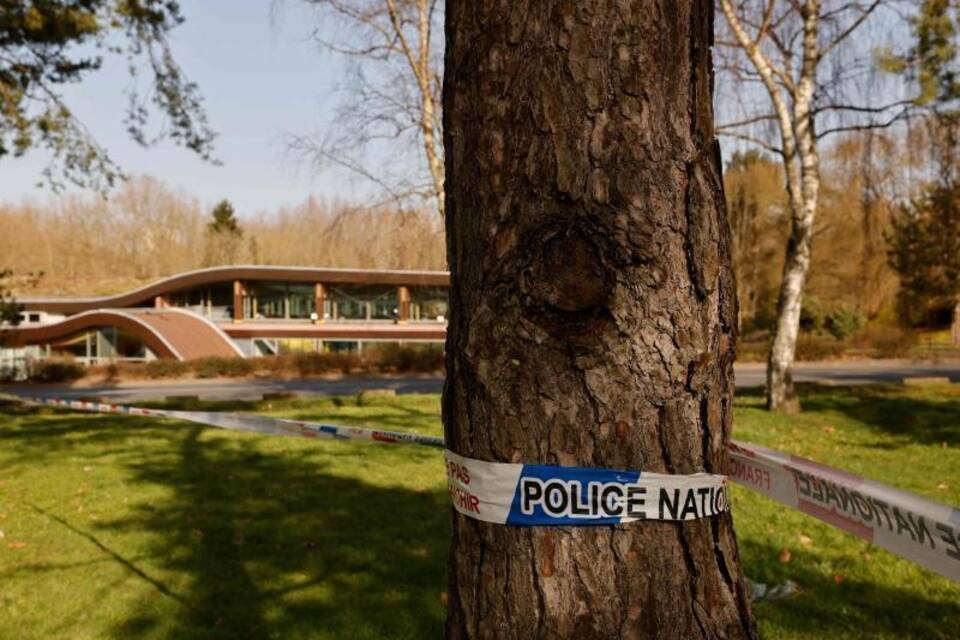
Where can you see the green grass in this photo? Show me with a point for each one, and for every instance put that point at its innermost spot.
(126, 527)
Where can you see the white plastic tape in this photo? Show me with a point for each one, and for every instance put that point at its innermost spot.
(912, 527)
(251, 422)
(906, 524)
(537, 494)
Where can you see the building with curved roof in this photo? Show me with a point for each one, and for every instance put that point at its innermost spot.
(237, 311)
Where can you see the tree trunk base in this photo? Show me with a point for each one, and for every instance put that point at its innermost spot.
(780, 393)
(789, 405)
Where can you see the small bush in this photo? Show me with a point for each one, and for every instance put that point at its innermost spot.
(54, 371)
(753, 350)
(347, 361)
(812, 348)
(166, 369)
(275, 365)
(215, 367)
(844, 323)
(408, 358)
(885, 341)
(812, 314)
(311, 364)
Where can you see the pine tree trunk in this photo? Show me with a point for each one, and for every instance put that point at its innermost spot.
(593, 308)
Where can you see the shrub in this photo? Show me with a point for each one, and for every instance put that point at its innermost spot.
(166, 369)
(885, 341)
(753, 351)
(812, 315)
(405, 358)
(216, 367)
(308, 364)
(346, 361)
(9, 374)
(311, 364)
(275, 365)
(844, 323)
(53, 371)
(810, 348)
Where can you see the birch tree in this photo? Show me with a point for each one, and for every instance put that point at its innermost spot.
(814, 66)
(392, 97)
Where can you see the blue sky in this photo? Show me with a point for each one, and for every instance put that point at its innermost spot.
(261, 77)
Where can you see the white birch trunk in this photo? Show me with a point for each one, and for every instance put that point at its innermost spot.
(955, 330)
(780, 391)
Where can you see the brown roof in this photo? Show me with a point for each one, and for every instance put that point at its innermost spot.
(220, 275)
(169, 333)
(191, 335)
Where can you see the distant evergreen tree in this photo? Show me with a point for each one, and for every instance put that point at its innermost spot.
(9, 308)
(224, 236)
(924, 250)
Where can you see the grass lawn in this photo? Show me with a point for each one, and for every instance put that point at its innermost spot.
(126, 527)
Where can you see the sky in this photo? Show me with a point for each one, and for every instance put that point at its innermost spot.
(261, 76)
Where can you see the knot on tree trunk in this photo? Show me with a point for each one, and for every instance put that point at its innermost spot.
(567, 285)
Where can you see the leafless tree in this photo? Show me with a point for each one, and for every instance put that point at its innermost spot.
(795, 72)
(391, 102)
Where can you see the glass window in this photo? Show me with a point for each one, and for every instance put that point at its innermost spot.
(429, 304)
(77, 346)
(271, 299)
(363, 302)
(301, 300)
(341, 346)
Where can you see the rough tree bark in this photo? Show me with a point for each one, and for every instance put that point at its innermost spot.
(593, 311)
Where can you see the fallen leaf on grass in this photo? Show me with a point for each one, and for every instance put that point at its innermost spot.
(830, 429)
(943, 486)
(805, 540)
(785, 556)
(18, 545)
(838, 579)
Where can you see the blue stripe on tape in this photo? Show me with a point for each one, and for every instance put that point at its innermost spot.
(332, 431)
(551, 495)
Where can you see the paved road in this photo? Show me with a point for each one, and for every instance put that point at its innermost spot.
(748, 375)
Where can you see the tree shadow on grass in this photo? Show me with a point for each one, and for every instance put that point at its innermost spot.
(45, 434)
(275, 547)
(256, 536)
(826, 608)
(887, 408)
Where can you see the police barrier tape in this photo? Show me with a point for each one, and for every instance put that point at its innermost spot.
(912, 527)
(250, 422)
(537, 494)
